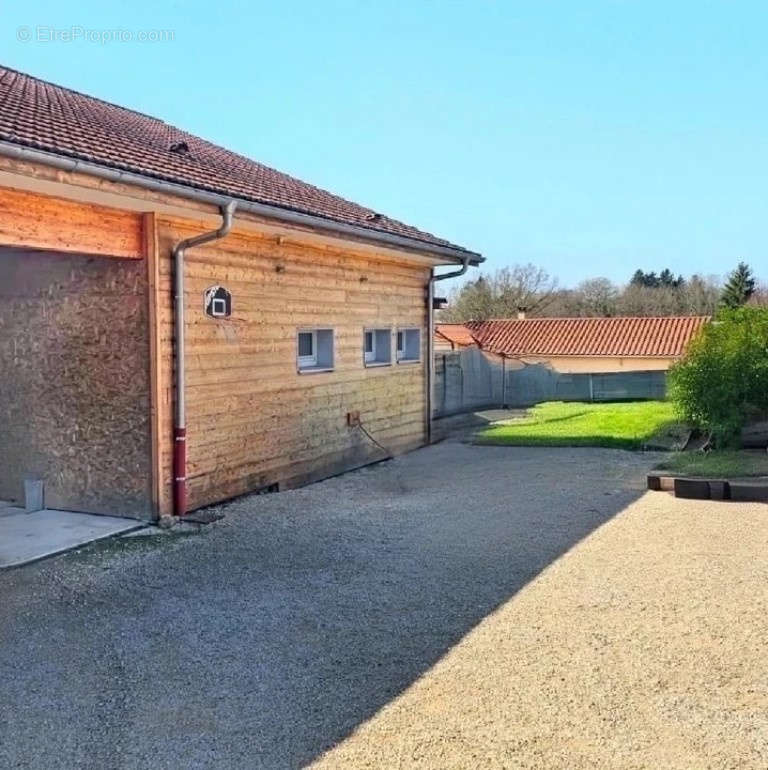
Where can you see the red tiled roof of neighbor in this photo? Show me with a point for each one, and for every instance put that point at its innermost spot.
(458, 334)
(39, 114)
(618, 337)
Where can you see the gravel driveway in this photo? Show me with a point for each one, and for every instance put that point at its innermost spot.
(460, 606)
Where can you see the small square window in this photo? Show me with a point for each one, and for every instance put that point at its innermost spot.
(315, 350)
(219, 307)
(377, 347)
(408, 345)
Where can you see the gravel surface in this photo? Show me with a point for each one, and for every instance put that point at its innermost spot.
(460, 606)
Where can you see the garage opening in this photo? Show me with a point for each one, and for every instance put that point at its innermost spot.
(74, 381)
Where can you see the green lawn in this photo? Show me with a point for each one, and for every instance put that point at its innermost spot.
(722, 464)
(626, 425)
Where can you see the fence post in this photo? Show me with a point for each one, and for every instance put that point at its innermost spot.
(503, 381)
(591, 389)
(445, 383)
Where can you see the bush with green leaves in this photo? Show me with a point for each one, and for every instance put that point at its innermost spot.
(722, 381)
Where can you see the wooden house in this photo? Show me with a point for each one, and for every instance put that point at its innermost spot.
(180, 324)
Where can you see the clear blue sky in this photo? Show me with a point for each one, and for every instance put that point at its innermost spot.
(588, 137)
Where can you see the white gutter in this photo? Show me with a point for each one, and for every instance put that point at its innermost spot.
(431, 339)
(288, 216)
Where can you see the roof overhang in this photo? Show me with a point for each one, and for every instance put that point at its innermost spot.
(450, 254)
(660, 356)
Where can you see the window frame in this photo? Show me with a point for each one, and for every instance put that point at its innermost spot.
(317, 362)
(372, 359)
(369, 357)
(306, 362)
(401, 352)
(218, 307)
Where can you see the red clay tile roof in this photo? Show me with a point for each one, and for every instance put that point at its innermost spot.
(38, 114)
(458, 334)
(618, 337)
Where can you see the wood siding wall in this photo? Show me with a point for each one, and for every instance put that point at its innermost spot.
(42, 222)
(252, 419)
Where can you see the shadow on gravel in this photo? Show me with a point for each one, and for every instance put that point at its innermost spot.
(269, 640)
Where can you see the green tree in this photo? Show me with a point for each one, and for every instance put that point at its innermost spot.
(651, 280)
(666, 278)
(722, 381)
(739, 287)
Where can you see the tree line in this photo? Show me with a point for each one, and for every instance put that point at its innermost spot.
(529, 289)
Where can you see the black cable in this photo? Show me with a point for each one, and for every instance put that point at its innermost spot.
(386, 451)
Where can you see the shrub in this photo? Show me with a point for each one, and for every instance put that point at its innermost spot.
(722, 381)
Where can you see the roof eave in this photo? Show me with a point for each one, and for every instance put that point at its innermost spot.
(550, 354)
(72, 163)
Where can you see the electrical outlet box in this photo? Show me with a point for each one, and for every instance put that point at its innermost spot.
(353, 419)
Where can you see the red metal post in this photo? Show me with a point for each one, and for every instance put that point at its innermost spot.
(180, 471)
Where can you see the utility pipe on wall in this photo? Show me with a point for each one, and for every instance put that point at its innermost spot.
(180, 415)
(433, 279)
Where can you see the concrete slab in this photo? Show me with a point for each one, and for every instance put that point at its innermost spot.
(27, 537)
(461, 425)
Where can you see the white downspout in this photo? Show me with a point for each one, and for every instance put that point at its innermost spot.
(433, 279)
(180, 416)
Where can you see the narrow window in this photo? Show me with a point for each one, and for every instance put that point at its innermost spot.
(408, 345)
(377, 347)
(307, 349)
(315, 350)
(369, 346)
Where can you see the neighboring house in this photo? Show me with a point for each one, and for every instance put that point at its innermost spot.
(297, 316)
(453, 337)
(596, 345)
(521, 361)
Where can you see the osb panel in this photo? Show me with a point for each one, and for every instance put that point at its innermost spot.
(43, 222)
(74, 381)
(252, 420)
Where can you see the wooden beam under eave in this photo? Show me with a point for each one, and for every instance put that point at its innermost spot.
(158, 405)
(34, 221)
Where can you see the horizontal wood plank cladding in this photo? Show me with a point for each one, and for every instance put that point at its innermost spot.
(43, 222)
(252, 419)
(212, 442)
(310, 453)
